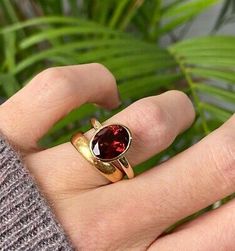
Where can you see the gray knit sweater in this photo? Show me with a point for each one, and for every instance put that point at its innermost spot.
(26, 221)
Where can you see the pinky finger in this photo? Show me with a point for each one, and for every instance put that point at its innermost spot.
(214, 231)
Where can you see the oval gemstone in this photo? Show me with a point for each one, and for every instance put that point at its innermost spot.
(110, 142)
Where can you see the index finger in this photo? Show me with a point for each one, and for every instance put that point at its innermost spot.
(53, 93)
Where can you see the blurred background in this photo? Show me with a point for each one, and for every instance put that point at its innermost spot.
(151, 46)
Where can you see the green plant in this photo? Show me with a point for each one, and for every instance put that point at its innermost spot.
(226, 16)
(125, 36)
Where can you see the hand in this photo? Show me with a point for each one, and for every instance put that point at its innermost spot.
(130, 214)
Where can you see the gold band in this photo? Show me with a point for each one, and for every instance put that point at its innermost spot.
(126, 167)
(108, 170)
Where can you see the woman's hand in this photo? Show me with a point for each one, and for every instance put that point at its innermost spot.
(130, 214)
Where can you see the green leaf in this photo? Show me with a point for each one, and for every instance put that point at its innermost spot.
(68, 48)
(208, 59)
(226, 96)
(216, 112)
(146, 85)
(9, 84)
(219, 74)
(44, 21)
(227, 6)
(62, 32)
(118, 12)
(183, 11)
(134, 6)
(10, 51)
(10, 10)
(204, 43)
(222, 62)
(195, 6)
(77, 114)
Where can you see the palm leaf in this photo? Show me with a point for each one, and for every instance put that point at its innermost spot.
(208, 66)
(180, 12)
(140, 68)
(227, 12)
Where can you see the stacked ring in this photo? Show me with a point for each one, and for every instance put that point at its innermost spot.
(106, 150)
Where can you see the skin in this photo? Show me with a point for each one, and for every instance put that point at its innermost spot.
(130, 214)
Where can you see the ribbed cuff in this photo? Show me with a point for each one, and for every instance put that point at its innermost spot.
(26, 221)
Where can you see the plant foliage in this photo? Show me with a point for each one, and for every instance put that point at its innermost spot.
(126, 36)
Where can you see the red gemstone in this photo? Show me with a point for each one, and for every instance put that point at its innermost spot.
(110, 142)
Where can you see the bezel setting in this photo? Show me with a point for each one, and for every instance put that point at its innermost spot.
(118, 156)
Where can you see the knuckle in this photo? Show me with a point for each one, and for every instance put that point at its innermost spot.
(179, 94)
(51, 74)
(104, 71)
(54, 84)
(107, 81)
(98, 67)
(185, 102)
(51, 80)
(152, 123)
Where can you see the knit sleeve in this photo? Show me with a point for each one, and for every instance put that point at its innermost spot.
(26, 221)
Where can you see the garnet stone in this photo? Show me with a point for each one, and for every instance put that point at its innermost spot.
(110, 142)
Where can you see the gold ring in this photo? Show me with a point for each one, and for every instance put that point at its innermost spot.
(106, 149)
